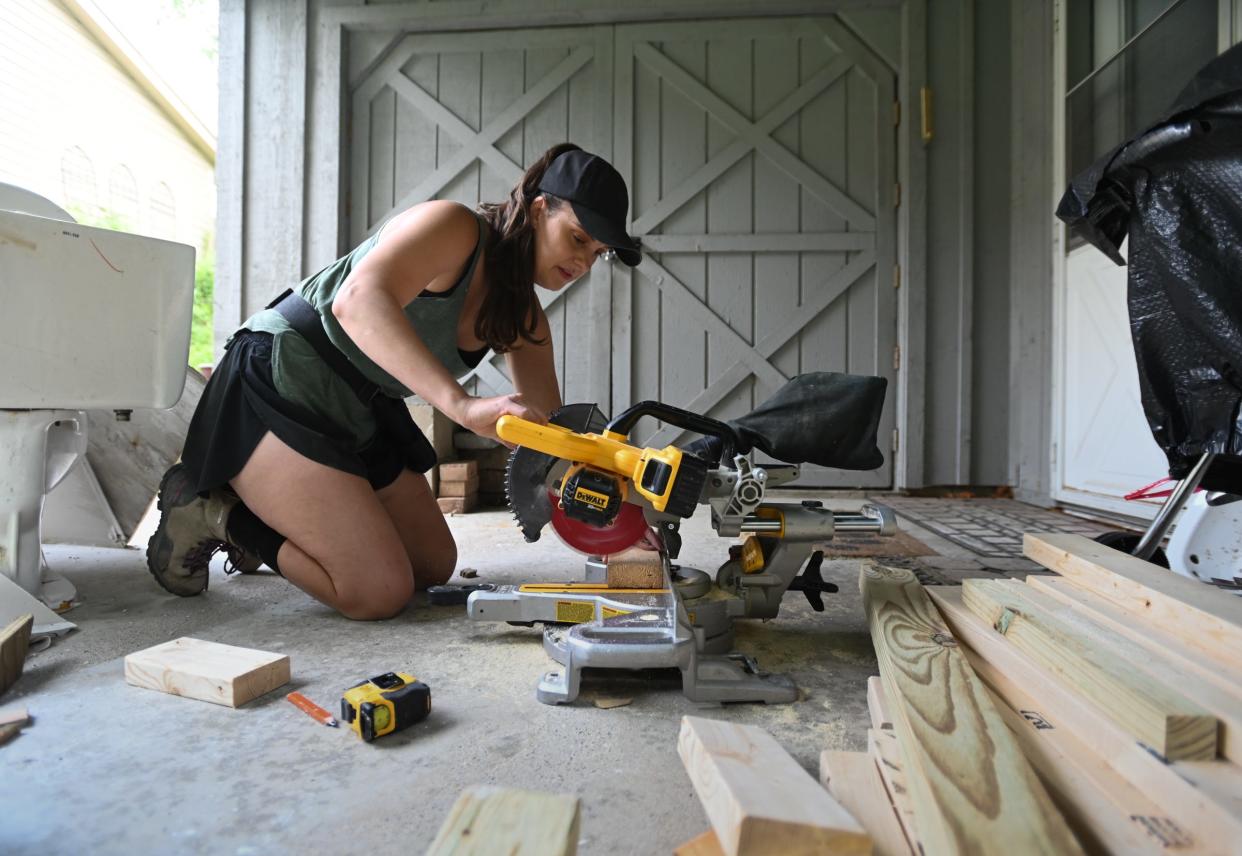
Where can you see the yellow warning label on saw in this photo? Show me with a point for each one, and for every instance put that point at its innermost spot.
(609, 612)
(575, 611)
(590, 497)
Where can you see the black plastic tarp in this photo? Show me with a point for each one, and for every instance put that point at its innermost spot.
(1175, 190)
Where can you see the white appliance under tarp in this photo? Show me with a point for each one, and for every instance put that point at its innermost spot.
(92, 319)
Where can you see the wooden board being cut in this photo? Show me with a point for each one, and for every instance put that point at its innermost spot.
(1154, 712)
(973, 790)
(208, 671)
(1204, 616)
(487, 820)
(759, 799)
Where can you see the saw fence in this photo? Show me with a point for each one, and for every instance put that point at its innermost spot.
(1098, 711)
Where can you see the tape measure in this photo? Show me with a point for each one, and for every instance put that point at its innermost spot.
(384, 704)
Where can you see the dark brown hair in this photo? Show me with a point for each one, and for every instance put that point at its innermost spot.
(509, 306)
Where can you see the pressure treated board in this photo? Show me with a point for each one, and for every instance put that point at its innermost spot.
(973, 790)
(758, 799)
(1201, 794)
(1202, 615)
(208, 671)
(1156, 664)
(890, 763)
(1226, 675)
(487, 820)
(1156, 714)
(852, 778)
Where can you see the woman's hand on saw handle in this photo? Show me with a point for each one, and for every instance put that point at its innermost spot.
(480, 414)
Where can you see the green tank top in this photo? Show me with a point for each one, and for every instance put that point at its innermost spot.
(302, 377)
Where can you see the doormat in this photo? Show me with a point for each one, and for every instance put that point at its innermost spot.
(991, 528)
(858, 545)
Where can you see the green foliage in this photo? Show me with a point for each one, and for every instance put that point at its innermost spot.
(202, 338)
(100, 217)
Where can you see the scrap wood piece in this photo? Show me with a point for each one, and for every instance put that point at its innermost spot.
(487, 820)
(1203, 616)
(1164, 719)
(1109, 814)
(1222, 705)
(14, 643)
(759, 800)
(876, 705)
(207, 671)
(1225, 675)
(853, 779)
(885, 753)
(1193, 791)
(636, 568)
(701, 845)
(973, 791)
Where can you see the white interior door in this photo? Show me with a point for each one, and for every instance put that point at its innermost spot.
(1106, 447)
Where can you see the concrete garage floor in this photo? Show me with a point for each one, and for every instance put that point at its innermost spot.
(110, 768)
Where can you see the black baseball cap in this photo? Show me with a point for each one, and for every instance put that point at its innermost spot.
(599, 198)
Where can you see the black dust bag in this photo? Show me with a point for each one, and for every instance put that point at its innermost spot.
(1175, 190)
(823, 418)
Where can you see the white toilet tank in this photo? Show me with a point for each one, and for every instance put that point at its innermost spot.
(90, 318)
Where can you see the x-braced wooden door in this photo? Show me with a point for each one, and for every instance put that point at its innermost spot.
(762, 160)
(459, 116)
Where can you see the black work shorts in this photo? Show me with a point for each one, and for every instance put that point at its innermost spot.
(240, 404)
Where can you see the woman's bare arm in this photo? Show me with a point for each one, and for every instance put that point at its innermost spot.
(427, 245)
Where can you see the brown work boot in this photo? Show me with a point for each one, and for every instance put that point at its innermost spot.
(191, 530)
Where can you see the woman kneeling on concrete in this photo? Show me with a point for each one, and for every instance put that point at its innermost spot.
(302, 454)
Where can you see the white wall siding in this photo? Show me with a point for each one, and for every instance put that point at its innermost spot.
(60, 89)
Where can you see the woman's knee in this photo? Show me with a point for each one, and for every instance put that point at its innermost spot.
(436, 565)
(380, 596)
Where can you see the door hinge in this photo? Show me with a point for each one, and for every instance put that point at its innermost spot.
(897, 195)
(896, 276)
(896, 113)
(896, 357)
(896, 439)
(928, 129)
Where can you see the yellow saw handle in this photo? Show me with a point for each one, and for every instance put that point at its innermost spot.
(653, 472)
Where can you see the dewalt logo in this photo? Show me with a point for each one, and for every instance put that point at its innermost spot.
(590, 497)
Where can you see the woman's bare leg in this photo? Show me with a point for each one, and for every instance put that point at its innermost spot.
(342, 547)
(428, 542)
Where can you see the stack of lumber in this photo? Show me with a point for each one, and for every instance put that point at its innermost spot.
(459, 487)
(1103, 707)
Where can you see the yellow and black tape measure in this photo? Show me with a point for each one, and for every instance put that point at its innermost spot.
(384, 704)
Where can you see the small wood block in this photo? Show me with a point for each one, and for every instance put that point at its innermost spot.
(701, 845)
(14, 716)
(487, 820)
(459, 471)
(14, 642)
(457, 504)
(759, 799)
(636, 569)
(448, 487)
(208, 671)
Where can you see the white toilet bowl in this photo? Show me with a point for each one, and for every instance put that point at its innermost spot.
(89, 319)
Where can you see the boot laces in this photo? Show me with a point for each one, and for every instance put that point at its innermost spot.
(198, 557)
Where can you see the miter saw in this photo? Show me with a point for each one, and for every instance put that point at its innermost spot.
(602, 495)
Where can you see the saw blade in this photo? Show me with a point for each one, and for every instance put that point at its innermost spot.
(529, 472)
